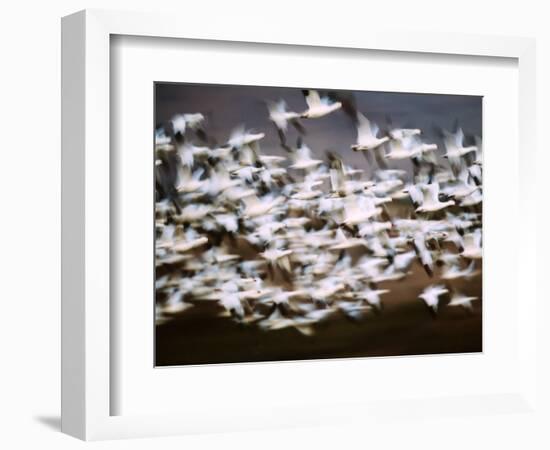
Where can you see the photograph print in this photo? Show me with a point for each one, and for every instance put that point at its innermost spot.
(309, 223)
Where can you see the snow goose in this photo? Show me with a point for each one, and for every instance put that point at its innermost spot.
(461, 187)
(424, 254)
(372, 297)
(240, 137)
(306, 191)
(354, 310)
(181, 122)
(454, 144)
(464, 301)
(431, 295)
(254, 206)
(367, 133)
(188, 182)
(453, 272)
(303, 159)
(408, 148)
(175, 303)
(187, 153)
(359, 209)
(430, 201)
(318, 106)
(277, 257)
(472, 245)
(342, 242)
(372, 228)
(281, 117)
(402, 133)
(475, 198)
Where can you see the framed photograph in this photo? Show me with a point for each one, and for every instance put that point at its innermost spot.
(265, 231)
(272, 245)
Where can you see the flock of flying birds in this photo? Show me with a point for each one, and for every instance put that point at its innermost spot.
(277, 242)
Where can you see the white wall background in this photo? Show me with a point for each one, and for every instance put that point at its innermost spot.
(30, 237)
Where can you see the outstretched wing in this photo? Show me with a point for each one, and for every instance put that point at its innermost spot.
(431, 193)
(365, 130)
(312, 98)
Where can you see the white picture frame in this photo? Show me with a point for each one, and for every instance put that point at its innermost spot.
(86, 288)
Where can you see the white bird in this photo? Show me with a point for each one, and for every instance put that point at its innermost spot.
(422, 149)
(463, 301)
(326, 288)
(189, 182)
(278, 257)
(390, 174)
(454, 144)
(472, 245)
(219, 181)
(430, 201)
(461, 187)
(453, 272)
(187, 153)
(402, 133)
(342, 242)
(415, 193)
(431, 295)
(254, 206)
(424, 254)
(476, 173)
(371, 228)
(175, 303)
(280, 116)
(181, 122)
(372, 297)
(408, 148)
(182, 246)
(178, 124)
(240, 137)
(247, 173)
(403, 261)
(228, 221)
(367, 135)
(161, 140)
(318, 106)
(474, 198)
(303, 159)
(282, 297)
(266, 232)
(354, 310)
(359, 209)
(400, 149)
(306, 191)
(193, 213)
(232, 304)
(276, 321)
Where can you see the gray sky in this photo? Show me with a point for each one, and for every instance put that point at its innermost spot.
(229, 106)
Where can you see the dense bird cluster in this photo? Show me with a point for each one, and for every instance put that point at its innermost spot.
(278, 242)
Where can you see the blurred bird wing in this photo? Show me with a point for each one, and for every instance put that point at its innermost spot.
(277, 107)
(453, 141)
(313, 100)
(303, 152)
(179, 123)
(431, 193)
(398, 146)
(459, 137)
(365, 130)
(237, 134)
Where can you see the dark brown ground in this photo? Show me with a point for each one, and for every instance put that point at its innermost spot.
(405, 327)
